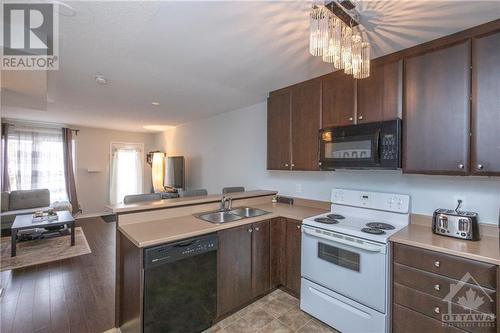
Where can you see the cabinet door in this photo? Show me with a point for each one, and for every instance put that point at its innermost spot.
(278, 131)
(337, 100)
(380, 95)
(292, 257)
(486, 105)
(234, 268)
(436, 111)
(261, 262)
(305, 125)
(278, 237)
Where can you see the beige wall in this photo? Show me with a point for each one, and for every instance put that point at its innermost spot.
(93, 152)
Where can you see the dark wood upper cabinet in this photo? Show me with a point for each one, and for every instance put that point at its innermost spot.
(261, 263)
(337, 100)
(278, 131)
(292, 256)
(379, 96)
(436, 111)
(485, 155)
(234, 268)
(306, 108)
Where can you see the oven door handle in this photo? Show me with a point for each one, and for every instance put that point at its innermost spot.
(338, 238)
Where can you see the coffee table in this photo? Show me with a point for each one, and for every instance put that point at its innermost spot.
(23, 222)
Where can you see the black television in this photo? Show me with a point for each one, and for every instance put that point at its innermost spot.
(174, 172)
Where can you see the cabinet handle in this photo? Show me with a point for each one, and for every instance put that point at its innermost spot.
(437, 287)
(480, 166)
(437, 309)
(360, 117)
(437, 263)
(256, 228)
(319, 163)
(298, 227)
(286, 164)
(460, 166)
(250, 230)
(293, 165)
(351, 118)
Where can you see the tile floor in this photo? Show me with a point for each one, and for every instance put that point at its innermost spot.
(277, 312)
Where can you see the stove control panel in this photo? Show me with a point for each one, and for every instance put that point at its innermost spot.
(399, 203)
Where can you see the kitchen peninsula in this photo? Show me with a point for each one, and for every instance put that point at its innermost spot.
(255, 255)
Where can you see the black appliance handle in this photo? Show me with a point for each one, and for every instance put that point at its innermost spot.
(377, 145)
(185, 244)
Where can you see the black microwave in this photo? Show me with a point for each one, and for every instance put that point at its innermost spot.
(365, 146)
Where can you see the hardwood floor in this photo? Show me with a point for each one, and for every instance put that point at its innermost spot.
(70, 295)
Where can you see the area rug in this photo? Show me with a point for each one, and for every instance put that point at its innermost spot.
(41, 251)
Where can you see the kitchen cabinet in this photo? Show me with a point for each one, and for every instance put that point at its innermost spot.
(485, 139)
(292, 256)
(278, 238)
(261, 263)
(422, 281)
(234, 272)
(278, 131)
(436, 111)
(305, 125)
(244, 267)
(338, 94)
(293, 122)
(379, 97)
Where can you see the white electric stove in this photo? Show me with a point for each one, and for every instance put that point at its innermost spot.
(346, 261)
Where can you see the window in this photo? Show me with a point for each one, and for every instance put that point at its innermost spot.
(35, 160)
(126, 170)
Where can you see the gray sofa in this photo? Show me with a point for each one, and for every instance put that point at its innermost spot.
(24, 202)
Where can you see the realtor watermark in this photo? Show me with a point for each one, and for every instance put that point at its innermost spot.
(30, 36)
(469, 305)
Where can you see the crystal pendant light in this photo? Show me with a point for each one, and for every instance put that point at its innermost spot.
(332, 53)
(346, 49)
(364, 69)
(356, 55)
(318, 37)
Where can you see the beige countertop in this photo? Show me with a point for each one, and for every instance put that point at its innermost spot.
(487, 249)
(185, 201)
(151, 233)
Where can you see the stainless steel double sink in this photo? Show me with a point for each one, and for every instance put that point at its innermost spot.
(231, 215)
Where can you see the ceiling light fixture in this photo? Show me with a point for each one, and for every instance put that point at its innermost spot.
(155, 103)
(334, 37)
(101, 79)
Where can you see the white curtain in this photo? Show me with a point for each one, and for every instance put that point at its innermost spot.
(35, 160)
(126, 171)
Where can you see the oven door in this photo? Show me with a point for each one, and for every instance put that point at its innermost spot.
(353, 267)
(350, 147)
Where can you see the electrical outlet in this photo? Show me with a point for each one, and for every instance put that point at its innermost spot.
(298, 188)
(455, 202)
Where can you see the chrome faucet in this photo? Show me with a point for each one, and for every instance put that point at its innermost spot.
(226, 203)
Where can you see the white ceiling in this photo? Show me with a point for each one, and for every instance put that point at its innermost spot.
(202, 58)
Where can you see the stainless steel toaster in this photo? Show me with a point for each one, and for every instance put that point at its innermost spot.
(458, 224)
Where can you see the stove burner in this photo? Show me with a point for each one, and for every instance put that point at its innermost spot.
(373, 231)
(335, 216)
(380, 225)
(326, 220)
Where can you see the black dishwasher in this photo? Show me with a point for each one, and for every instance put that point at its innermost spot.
(180, 286)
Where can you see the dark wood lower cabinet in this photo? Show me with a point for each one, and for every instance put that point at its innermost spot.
(292, 256)
(261, 262)
(254, 259)
(428, 285)
(234, 268)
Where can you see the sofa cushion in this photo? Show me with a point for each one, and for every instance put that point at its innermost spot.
(29, 199)
(5, 201)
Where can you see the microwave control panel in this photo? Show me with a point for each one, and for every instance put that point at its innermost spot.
(389, 147)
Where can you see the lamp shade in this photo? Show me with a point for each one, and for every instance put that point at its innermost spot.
(158, 171)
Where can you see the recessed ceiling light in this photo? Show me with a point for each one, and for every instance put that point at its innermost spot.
(158, 128)
(101, 79)
(155, 103)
